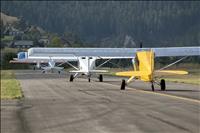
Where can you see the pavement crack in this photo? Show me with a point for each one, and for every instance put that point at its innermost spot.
(20, 113)
(169, 123)
(86, 92)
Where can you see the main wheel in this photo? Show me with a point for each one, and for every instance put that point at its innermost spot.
(58, 72)
(152, 87)
(88, 79)
(123, 85)
(71, 78)
(162, 85)
(100, 78)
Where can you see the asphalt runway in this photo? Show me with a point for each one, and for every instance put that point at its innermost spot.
(52, 104)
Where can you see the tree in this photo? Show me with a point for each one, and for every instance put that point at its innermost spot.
(55, 42)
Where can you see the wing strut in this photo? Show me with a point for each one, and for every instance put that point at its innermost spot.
(69, 64)
(108, 61)
(103, 63)
(173, 63)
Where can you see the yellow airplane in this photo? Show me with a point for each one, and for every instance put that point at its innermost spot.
(144, 70)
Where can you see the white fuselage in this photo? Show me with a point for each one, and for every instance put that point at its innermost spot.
(51, 63)
(86, 64)
(51, 66)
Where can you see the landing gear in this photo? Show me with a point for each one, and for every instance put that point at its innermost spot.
(88, 79)
(100, 78)
(71, 78)
(43, 71)
(152, 86)
(34, 68)
(123, 85)
(58, 72)
(162, 85)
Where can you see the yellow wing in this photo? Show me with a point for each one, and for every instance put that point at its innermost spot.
(170, 72)
(132, 73)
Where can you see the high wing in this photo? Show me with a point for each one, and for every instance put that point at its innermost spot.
(109, 53)
(34, 55)
(31, 60)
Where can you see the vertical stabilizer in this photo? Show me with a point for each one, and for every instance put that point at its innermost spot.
(146, 63)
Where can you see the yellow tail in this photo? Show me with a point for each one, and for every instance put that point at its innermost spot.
(145, 66)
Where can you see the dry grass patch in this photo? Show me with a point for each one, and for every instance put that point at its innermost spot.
(10, 87)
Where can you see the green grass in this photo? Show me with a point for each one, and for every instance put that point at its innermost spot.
(192, 78)
(187, 81)
(10, 87)
(7, 38)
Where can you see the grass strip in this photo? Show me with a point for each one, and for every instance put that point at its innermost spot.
(10, 86)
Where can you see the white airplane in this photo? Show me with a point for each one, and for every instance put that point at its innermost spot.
(86, 67)
(47, 65)
(86, 57)
(52, 67)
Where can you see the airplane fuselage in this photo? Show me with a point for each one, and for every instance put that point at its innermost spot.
(86, 64)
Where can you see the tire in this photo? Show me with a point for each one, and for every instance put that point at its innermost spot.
(58, 72)
(152, 87)
(100, 78)
(88, 79)
(123, 85)
(162, 85)
(71, 78)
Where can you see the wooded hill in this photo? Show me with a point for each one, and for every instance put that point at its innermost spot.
(107, 23)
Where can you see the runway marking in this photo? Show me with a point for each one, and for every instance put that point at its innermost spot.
(168, 95)
(162, 94)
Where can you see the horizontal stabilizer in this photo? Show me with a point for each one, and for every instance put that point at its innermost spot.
(58, 68)
(132, 73)
(98, 71)
(91, 71)
(170, 72)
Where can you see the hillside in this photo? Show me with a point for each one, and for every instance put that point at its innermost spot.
(5, 19)
(109, 23)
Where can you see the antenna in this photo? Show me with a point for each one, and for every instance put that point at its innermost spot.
(141, 44)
